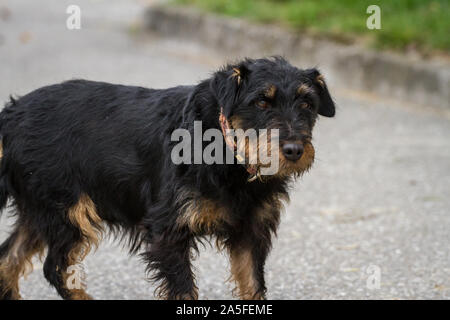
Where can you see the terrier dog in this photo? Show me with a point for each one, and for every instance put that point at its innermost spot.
(80, 159)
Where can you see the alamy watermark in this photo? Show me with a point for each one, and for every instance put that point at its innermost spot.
(73, 22)
(373, 280)
(251, 147)
(76, 277)
(374, 20)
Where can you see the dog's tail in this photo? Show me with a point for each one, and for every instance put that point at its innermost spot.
(3, 193)
(3, 183)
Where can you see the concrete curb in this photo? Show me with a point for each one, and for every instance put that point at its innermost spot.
(386, 74)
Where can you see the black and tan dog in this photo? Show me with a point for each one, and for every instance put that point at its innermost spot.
(83, 158)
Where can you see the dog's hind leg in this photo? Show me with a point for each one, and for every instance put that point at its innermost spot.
(63, 268)
(69, 243)
(15, 260)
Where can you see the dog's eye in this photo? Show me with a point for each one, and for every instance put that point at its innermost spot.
(304, 105)
(263, 104)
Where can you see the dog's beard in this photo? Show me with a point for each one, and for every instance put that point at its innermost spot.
(302, 165)
(286, 168)
(252, 149)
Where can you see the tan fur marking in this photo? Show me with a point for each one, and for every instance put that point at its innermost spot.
(270, 92)
(270, 211)
(84, 216)
(237, 74)
(75, 257)
(243, 275)
(320, 80)
(307, 157)
(80, 295)
(18, 262)
(303, 164)
(303, 89)
(202, 215)
(1, 149)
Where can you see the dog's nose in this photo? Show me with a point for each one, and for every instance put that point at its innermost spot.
(293, 151)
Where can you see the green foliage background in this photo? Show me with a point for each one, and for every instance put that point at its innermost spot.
(420, 24)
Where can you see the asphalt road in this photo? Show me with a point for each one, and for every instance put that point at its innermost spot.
(377, 197)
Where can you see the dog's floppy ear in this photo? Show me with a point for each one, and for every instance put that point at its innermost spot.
(326, 104)
(226, 83)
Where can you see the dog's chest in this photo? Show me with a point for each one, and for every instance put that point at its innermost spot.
(204, 216)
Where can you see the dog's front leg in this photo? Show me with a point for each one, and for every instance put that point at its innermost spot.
(168, 257)
(247, 258)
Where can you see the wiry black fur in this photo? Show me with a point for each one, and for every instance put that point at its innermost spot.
(112, 142)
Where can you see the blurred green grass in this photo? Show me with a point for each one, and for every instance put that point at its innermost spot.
(405, 24)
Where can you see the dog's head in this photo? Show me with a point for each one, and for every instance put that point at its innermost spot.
(272, 94)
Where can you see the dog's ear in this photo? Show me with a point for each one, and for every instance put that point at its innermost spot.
(226, 84)
(326, 104)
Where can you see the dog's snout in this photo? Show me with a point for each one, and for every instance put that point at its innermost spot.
(292, 151)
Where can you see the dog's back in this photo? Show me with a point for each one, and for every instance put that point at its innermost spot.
(61, 140)
(76, 155)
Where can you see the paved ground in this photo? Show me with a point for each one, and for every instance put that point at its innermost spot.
(378, 195)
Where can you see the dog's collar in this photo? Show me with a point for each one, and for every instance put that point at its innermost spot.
(229, 140)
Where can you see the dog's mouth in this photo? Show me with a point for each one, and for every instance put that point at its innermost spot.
(303, 164)
(285, 167)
